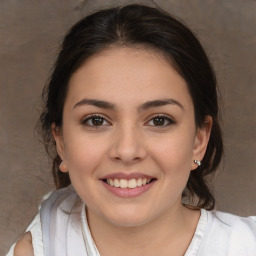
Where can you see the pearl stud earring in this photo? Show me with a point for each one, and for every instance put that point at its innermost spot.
(197, 162)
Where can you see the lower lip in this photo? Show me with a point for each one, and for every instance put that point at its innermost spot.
(129, 192)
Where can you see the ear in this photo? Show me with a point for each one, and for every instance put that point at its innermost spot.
(201, 141)
(58, 137)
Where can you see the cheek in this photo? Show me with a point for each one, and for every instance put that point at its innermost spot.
(174, 159)
(83, 154)
(174, 153)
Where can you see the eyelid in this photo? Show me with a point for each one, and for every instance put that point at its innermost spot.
(166, 117)
(85, 119)
(88, 117)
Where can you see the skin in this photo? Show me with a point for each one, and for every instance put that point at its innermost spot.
(24, 246)
(129, 139)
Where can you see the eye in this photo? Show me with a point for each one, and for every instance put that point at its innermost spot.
(161, 121)
(95, 121)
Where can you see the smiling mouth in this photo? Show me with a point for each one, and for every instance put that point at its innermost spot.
(131, 183)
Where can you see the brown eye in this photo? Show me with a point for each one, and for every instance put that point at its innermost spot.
(95, 121)
(161, 121)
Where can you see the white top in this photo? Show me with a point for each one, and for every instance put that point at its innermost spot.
(62, 225)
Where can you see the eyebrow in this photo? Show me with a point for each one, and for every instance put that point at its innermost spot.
(160, 103)
(96, 103)
(145, 106)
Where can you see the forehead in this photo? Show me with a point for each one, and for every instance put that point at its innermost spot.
(127, 74)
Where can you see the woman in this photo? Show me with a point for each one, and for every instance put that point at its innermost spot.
(131, 121)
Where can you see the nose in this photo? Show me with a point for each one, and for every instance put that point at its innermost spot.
(128, 145)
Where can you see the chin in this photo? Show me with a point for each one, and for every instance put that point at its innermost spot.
(128, 218)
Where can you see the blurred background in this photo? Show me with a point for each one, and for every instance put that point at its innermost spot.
(30, 35)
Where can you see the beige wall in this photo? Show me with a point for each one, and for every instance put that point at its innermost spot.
(30, 32)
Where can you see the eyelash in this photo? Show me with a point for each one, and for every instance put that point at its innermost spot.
(167, 119)
(90, 118)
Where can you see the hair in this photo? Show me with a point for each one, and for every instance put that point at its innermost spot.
(131, 26)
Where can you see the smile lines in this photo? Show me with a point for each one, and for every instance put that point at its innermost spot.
(123, 183)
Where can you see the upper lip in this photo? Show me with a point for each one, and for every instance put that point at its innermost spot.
(126, 176)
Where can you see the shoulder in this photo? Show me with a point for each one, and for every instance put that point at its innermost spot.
(24, 246)
(239, 232)
(234, 222)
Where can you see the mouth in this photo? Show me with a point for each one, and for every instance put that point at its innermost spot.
(128, 183)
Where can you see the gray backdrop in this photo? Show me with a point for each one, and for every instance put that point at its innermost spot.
(30, 33)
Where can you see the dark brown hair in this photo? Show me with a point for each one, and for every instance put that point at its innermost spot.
(129, 26)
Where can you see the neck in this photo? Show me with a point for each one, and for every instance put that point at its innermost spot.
(170, 232)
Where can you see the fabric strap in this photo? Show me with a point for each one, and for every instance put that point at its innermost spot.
(61, 219)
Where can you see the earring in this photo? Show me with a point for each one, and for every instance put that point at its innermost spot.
(62, 167)
(197, 162)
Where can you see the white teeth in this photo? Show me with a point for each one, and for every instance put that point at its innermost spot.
(123, 183)
(132, 183)
(139, 182)
(111, 182)
(116, 183)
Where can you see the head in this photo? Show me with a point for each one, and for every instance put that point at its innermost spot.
(145, 29)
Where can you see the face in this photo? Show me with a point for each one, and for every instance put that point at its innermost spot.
(129, 138)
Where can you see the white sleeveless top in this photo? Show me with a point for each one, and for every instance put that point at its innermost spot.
(61, 229)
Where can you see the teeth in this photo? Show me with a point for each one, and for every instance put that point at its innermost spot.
(139, 182)
(123, 183)
(132, 183)
(111, 182)
(116, 183)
